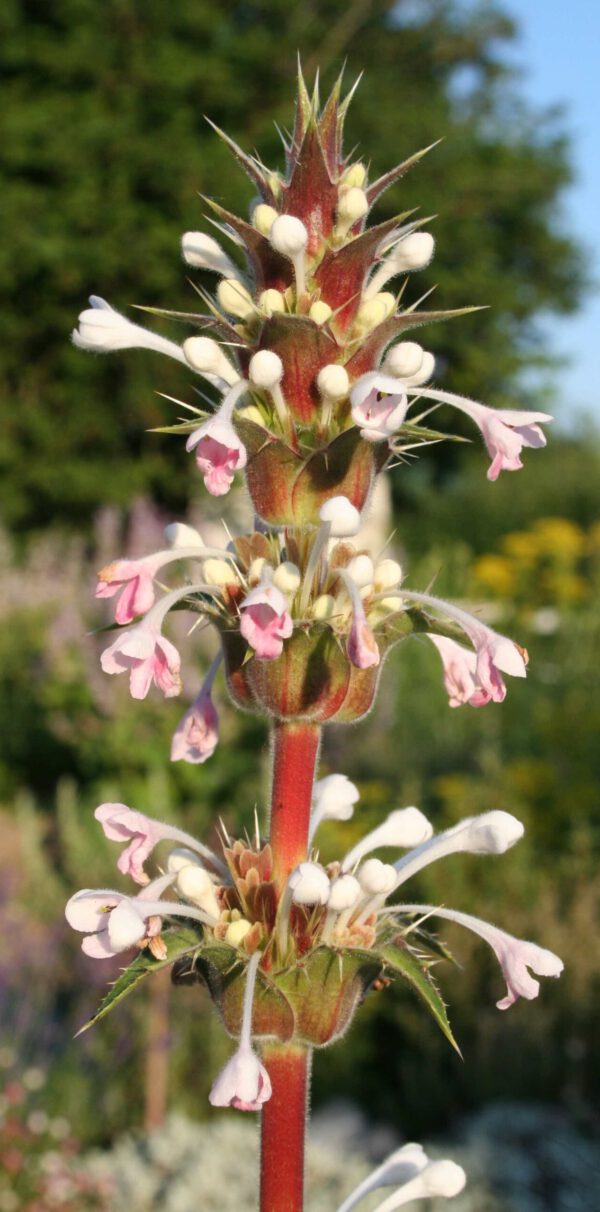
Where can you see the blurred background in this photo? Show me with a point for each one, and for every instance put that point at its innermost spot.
(104, 153)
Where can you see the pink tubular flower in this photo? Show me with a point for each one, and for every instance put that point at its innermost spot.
(142, 833)
(361, 644)
(197, 734)
(148, 656)
(219, 452)
(136, 579)
(265, 622)
(244, 1082)
(473, 678)
(505, 430)
(515, 956)
(379, 405)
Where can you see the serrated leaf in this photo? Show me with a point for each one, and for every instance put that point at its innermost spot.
(179, 942)
(403, 963)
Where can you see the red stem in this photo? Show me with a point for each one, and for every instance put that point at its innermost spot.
(295, 749)
(283, 1128)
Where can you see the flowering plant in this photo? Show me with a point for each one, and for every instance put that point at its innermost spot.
(317, 395)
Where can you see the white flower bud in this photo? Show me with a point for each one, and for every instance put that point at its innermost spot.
(344, 893)
(374, 311)
(491, 833)
(323, 607)
(237, 931)
(287, 577)
(205, 355)
(265, 369)
(288, 235)
(353, 205)
(205, 253)
(219, 572)
(256, 569)
(388, 574)
(194, 883)
(263, 218)
(441, 1179)
(406, 827)
(333, 382)
(413, 252)
(178, 534)
(355, 175)
(250, 412)
(360, 569)
(334, 797)
(320, 312)
(309, 884)
(342, 516)
(125, 926)
(403, 359)
(234, 298)
(376, 878)
(424, 374)
(180, 857)
(271, 301)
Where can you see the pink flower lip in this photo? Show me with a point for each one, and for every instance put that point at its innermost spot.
(243, 1083)
(219, 454)
(148, 657)
(197, 734)
(265, 622)
(379, 405)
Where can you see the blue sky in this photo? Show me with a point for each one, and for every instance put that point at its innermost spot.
(559, 54)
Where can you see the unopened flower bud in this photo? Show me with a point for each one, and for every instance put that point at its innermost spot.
(219, 572)
(194, 883)
(360, 569)
(205, 253)
(413, 252)
(234, 298)
(333, 382)
(271, 301)
(342, 516)
(287, 577)
(263, 218)
(403, 359)
(354, 176)
(250, 412)
(178, 534)
(374, 311)
(181, 857)
(376, 878)
(256, 569)
(309, 884)
(265, 369)
(237, 931)
(320, 312)
(388, 574)
(493, 832)
(288, 235)
(353, 205)
(344, 893)
(205, 355)
(334, 797)
(424, 373)
(323, 607)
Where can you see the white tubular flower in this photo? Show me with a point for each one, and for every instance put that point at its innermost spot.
(438, 1180)
(289, 237)
(244, 1082)
(403, 359)
(287, 577)
(333, 799)
(266, 372)
(424, 374)
(514, 955)
(360, 570)
(309, 885)
(271, 301)
(204, 252)
(353, 205)
(194, 884)
(401, 1166)
(263, 218)
(179, 534)
(376, 878)
(413, 251)
(320, 312)
(341, 516)
(490, 833)
(235, 298)
(104, 330)
(333, 382)
(406, 828)
(204, 355)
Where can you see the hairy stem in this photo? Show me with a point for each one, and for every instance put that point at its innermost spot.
(295, 749)
(283, 1128)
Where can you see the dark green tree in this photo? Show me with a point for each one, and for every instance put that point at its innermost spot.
(105, 150)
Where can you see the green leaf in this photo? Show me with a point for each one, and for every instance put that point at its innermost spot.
(403, 963)
(182, 941)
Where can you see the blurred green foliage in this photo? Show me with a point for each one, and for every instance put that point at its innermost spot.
(104, 152)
